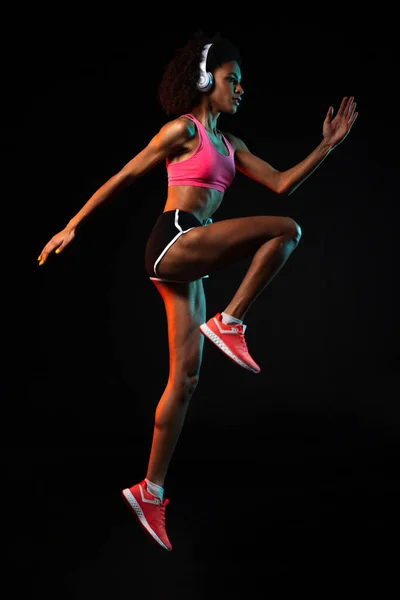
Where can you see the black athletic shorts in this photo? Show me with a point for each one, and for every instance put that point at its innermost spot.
(169, 226)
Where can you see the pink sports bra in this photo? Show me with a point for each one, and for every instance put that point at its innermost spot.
(206, 167)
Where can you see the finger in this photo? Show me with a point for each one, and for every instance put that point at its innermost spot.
(46, 251)
(352, 120)
(342, 106)
(329, 114)
(352, 109)
(43, 256)
(349, 107)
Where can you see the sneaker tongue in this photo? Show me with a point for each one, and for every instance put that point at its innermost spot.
(242, 327)
(165, 501)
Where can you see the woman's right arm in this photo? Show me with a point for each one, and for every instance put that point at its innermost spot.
(170, 139)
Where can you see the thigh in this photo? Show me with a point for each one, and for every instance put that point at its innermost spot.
(185, 307)
(206, 249)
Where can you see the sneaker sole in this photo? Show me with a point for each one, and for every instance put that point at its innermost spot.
(134, 506)
(205, 330)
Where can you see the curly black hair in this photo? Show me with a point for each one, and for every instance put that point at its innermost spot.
(177, 92)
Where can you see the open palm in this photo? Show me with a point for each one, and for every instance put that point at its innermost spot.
(335, 129)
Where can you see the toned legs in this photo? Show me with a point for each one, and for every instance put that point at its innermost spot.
(269, 240)
(203, 250)
(266, 263)
(185, 308)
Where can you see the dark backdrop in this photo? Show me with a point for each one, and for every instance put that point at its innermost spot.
(288, 477)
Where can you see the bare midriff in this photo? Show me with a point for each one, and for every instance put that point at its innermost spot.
(201, 202)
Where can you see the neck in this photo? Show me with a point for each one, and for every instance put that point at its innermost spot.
(206, 118)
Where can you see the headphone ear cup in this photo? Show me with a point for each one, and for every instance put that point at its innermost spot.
(205, 81)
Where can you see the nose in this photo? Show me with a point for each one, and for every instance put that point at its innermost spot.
(239, 90)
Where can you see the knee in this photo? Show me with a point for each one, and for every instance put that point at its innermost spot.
(191, 383)
(294, 232)
(186, 383)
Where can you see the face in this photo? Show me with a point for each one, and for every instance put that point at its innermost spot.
(227, 90)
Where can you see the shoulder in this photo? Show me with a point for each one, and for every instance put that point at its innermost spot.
(236, 142)
(179, 130)
(173, 136)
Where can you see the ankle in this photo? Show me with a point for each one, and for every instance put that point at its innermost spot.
(154, 489)
(229, 319)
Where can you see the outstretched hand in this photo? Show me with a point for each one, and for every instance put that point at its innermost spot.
(57, 243)
(335, 129)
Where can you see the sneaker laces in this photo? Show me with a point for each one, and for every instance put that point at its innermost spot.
(241, 329)
(162, 509)
(162, 512)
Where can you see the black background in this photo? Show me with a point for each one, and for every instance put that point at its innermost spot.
(287, 478)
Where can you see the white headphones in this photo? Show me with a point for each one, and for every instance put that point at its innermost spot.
(206, 79)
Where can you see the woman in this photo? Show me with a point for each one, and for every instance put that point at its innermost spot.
(200, 83)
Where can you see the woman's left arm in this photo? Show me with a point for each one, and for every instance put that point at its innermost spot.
(334, 131)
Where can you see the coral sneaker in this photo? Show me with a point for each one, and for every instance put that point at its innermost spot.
(230, 339)
(150, 512)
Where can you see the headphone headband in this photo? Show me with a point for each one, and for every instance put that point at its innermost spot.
(206, 79)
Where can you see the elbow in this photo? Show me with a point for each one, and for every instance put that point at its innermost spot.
(285, 187)
(284, 192)
(281, 186)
